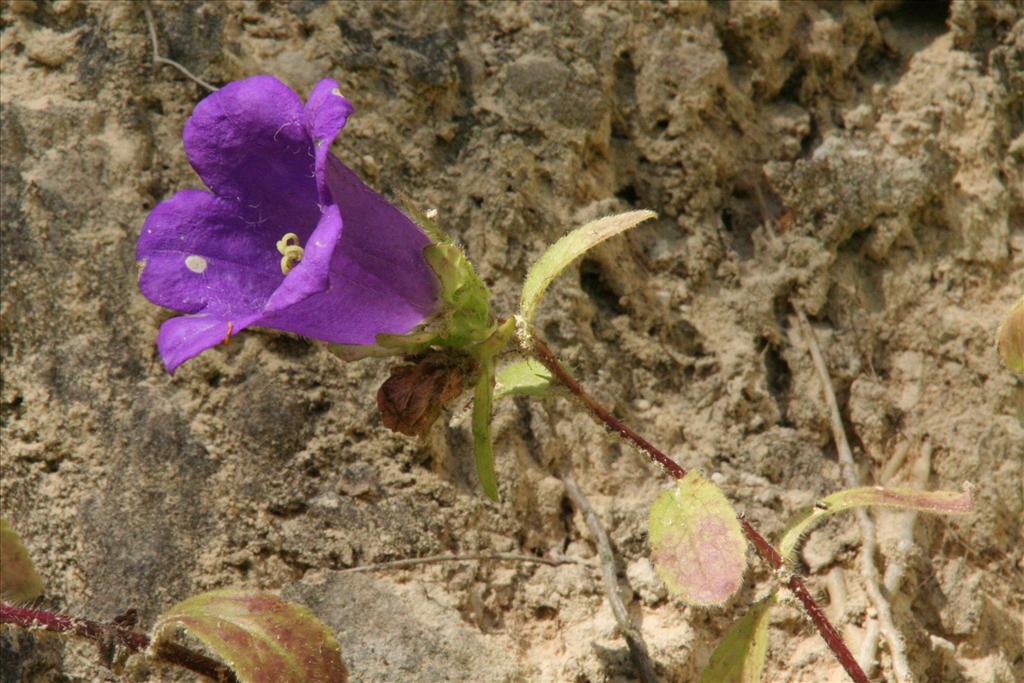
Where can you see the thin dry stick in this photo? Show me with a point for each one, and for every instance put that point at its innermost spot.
(160, 59)
(868, 570)
(630, 631)
(768, 553)
(473, 557)
(104, 633)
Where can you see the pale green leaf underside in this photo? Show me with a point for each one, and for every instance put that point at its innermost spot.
(1010, 338)
(941, 502)
(566, 250)
(523, 378)
(19, 580)
(739, 658)
(263, 638)
(697, 545)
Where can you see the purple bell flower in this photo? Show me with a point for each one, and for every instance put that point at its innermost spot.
(290, 238)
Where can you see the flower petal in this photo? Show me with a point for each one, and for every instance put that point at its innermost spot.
(249, 144)
(327, 111)
(200, 256)
(311, 275)
(187, 336)
(380, 247)
(353, 308)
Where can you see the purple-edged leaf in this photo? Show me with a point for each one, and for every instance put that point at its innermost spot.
(739, 658)
(19, 580)
(1010, 338)
(939, 502)
(697, 545)
(263, 638)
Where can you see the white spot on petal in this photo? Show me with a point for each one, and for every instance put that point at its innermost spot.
(336, 91)
(197, 264)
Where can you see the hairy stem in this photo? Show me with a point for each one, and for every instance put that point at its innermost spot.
(539, 350)
(98, 632)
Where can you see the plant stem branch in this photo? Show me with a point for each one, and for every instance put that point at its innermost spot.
(869, 538)
(630, 631)
(172, 653)
(539, 350)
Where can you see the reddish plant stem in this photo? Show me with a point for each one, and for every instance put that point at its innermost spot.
(765, 549)
(172, 653)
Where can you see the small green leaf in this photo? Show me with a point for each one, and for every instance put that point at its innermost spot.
(566, 250)
(263, 638)
(1011, 338)
(739, 658)
(940, 502)
(19, 580)
(523, 378)
(697, 545)
(483, 449)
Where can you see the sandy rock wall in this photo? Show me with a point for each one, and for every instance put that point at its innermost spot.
(864, 161)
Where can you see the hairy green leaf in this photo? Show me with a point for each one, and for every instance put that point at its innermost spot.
(697, 545)
(739, 658)
(1010, 338)
(523, 378)
(941, 502)
(566, 250)
(19, 580)
(263, 638)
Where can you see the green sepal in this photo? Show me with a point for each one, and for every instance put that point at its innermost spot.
(466, 318)
(427, 224)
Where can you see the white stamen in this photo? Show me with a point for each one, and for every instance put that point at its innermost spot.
(197, 264)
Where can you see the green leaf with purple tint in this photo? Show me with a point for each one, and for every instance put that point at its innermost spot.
(19, 580)
(697, 545)
(566, 250)
(1010, 338)
(263, 638)
(739, 658)
(939, 502)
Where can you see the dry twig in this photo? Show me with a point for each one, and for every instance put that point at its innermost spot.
(160, 59)
(869, 572)
(472, 557)
(630, 631)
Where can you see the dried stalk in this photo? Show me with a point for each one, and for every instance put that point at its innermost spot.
(472, 557)
(869, 541)
(630, 631)
(160, 59)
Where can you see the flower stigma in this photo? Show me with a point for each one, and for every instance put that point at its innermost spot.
(291, 252)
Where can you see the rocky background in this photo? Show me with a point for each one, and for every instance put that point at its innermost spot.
(864, 161)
